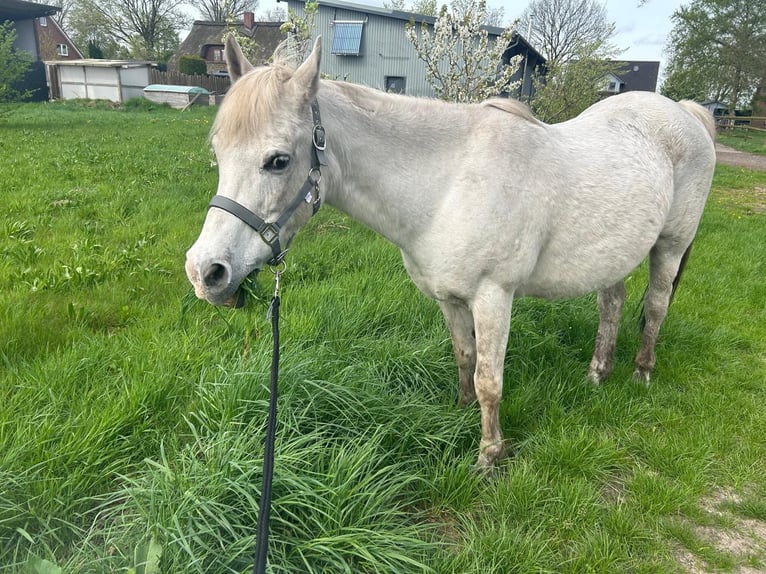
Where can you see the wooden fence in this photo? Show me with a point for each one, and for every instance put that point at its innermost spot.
(214, 84)
(757, 123)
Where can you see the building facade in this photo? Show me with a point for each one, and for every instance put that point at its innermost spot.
(368, 45)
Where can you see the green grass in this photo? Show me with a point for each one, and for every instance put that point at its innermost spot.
(748, 140)
(132, 415)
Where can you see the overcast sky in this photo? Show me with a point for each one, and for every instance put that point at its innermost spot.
(642, 32)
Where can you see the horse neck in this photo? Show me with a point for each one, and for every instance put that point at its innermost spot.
(389, 157)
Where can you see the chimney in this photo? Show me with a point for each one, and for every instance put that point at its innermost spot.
(248, 19)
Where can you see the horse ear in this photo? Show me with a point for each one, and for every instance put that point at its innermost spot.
(236, 62)
(306, 77)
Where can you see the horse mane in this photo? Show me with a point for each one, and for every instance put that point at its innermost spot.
(256, 94)
(512, 106)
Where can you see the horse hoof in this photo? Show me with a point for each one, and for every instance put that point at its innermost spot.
(596, 378)
(642, 376)
(490, 454)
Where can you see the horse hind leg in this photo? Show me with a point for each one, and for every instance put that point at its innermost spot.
(667, 260)
(610, 302)
(460, 322)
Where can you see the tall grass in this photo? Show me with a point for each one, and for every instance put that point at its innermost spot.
(132, 415)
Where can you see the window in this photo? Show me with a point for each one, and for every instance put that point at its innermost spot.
(43, 21)
(347, 38)
(396, 84)
(62, 49)
(612, 87)
(218, 54)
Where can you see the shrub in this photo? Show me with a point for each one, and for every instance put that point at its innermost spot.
(193, 65)
(14, 65)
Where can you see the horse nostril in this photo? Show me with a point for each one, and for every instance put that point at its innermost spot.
(215, 275)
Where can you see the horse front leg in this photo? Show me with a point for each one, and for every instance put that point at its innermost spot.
(492, 317)
(460, 322)
(610, 301)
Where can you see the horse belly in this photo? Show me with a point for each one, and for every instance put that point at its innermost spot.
(577, 263)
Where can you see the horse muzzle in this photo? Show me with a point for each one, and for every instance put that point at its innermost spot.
(213, 283)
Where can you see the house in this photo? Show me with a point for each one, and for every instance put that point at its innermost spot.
(532, 65)
(38, 31)
(39, 34)
(715, 107)
(639, 76)
(53, 42)
(368, 45)
(206, 40)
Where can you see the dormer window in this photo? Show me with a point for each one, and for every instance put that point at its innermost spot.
(43, 21)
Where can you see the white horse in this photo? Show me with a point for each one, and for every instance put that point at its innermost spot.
(485, 202)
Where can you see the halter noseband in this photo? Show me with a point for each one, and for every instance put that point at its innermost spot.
(308, 193)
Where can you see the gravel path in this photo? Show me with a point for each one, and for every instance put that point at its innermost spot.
(729, 156)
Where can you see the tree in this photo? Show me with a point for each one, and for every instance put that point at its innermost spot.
(298, 28)
(560, 28)
(14, 65)
(717, 50)
(494, 17)
(462, 63)
(570, 87)
(219, 10)
(575, 37)
(277, 14)
(463, 9)
(62, 17)
(143, 28)
(94, 51)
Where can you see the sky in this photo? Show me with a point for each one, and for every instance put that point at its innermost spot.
(642, 32)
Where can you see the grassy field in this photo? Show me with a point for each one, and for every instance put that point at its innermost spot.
(744, 140)
(132, 415)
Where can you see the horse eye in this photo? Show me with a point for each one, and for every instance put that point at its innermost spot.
(277, 163)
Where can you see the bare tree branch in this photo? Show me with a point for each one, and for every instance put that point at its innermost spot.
(557, 28)
(218, 10)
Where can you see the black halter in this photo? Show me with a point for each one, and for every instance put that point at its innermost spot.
(308, 193)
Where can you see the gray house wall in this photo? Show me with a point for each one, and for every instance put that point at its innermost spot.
(384, 52)
(26, 39)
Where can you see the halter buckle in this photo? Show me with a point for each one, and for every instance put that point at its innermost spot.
(318, 136)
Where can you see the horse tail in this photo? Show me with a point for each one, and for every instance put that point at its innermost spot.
(702, 114)
(673, 287)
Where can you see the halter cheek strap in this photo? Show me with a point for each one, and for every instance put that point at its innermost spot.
(308, 193)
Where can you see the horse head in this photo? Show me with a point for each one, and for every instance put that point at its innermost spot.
(268, 173)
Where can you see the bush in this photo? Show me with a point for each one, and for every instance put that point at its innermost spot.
(14, 65)
(193, 65)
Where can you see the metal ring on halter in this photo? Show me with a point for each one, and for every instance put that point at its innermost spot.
(276, 268)
(315, 175)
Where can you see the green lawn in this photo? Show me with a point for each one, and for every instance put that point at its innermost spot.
(132, 415)
(751, 141)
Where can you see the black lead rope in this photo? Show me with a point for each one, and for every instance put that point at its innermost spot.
(264, 506)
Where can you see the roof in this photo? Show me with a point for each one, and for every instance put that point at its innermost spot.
(92, 63)
(20, 10)
(204, 33)
(638, 75)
